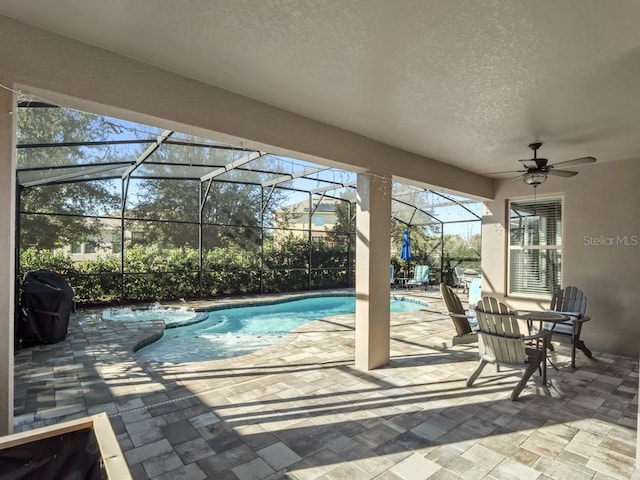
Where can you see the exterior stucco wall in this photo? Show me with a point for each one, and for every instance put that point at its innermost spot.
(601, 248)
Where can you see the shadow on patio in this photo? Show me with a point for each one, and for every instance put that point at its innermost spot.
(300, 410)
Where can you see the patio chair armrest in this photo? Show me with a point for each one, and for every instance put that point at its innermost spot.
(461, 315)
(582, 319)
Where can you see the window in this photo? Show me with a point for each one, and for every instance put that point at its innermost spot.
(137, 238)
(318, 220)
(535, 246)
(90, 245)
(76, 247)
(116, 243)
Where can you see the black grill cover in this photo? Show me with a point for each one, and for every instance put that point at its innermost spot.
(47, 301)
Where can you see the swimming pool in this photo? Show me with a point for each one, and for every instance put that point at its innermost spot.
(241, 330)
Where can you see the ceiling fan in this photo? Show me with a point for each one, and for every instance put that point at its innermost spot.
(537, 169)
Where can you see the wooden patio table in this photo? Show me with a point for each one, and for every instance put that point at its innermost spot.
(549, 317)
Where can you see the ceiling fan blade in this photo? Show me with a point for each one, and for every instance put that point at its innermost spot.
(575, 162)
(535, 163)
(515, 179)
(507, 171)
(529, 163)
(562, 173)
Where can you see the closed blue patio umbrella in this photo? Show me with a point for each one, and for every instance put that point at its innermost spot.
(405, 253)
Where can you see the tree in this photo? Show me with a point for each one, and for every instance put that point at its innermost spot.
(458, 248)
(344, 231)
(46, 219)
(232, 209)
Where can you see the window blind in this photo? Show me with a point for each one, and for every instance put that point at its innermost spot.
(535, 246)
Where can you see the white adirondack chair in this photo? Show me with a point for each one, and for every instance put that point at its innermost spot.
(500, 342)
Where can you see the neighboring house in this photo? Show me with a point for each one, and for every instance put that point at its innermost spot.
(107, 242)
(295, 219)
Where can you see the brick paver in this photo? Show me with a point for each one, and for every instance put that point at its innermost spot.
(300, 410)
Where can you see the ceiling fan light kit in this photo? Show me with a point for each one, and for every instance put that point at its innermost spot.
(534, 178)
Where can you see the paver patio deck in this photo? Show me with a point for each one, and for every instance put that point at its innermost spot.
(300, 410)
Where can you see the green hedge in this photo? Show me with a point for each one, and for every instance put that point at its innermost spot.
(152, 273)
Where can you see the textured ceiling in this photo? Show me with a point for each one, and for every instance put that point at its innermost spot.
(464, 82)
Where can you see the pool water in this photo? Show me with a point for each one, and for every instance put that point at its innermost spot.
(241, 330)
(173, 317)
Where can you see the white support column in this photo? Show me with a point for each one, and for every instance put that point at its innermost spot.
(7, 245)
(373, 244)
